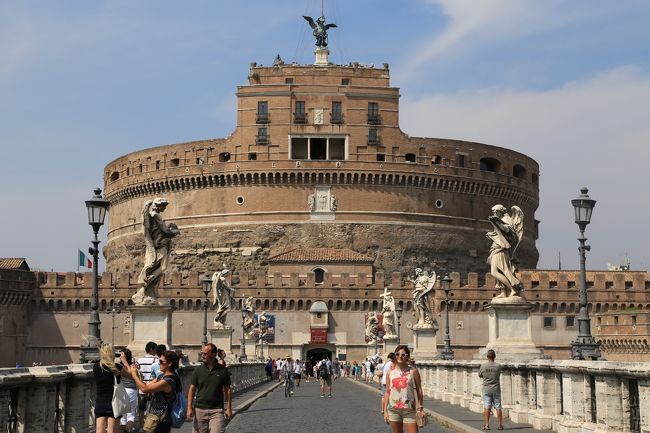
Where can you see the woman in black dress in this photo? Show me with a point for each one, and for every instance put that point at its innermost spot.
(105, 371)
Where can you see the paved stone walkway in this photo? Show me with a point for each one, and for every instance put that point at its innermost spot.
(352, 408)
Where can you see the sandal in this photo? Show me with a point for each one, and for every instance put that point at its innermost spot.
(486, 427)
(500, 427)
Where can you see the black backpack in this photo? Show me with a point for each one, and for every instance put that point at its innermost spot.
(323, 370)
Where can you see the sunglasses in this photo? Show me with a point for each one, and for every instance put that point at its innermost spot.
(162, 361)
(402, 355)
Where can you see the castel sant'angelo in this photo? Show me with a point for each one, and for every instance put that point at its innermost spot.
(318, 203)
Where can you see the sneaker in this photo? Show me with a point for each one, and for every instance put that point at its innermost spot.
(322, 395)
(330, 396)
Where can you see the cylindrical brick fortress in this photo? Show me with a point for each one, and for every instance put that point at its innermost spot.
(318, 160)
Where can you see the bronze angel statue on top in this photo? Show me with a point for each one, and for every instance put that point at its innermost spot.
(320, 30)
(507, 234)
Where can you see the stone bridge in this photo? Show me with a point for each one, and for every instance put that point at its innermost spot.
(563, 396)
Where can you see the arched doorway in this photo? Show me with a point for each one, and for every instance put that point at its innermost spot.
(317, 353)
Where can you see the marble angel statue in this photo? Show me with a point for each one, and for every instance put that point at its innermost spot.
(223, 297)
(158, 247)
(423, 286)
(372, 326)
(505, 238)
(388, 312)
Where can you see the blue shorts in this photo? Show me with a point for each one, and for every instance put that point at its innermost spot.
(492, 399)
(383, 389)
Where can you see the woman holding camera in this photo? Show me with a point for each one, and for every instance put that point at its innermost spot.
(105, 373)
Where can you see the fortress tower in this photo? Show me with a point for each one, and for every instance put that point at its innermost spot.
(318, 160)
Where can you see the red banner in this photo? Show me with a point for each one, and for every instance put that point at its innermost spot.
(318, 336)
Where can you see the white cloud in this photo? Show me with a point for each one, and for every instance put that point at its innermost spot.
(592, 132)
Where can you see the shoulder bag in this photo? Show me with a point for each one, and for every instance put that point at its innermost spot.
(121, 403)
(421, 416)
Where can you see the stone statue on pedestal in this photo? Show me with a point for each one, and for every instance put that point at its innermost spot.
(388, 312)
(263, 325)
(320, 30)
(507, 234)
(372, 326)
(223, 297)
(424, 283)
(158, 246)
(249, 320)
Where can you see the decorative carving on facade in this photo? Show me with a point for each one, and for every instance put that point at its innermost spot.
(318, 116)
(423, 283)
(158, 243)
(223, 297)
(507, 234)
(372, 326)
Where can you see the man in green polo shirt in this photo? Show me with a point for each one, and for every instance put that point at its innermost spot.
(211, 387)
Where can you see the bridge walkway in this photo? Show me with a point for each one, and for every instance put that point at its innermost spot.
(354, 406)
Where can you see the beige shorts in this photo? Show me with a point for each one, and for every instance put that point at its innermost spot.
(405, 416)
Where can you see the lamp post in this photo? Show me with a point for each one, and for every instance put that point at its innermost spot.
(447, 353)
(206, 284)
(398, 312)
(96, 207)
(244, 313)
(113, 311)
(584, 346)
(263, 328)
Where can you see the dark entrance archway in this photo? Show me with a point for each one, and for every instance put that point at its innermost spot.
(318, 353)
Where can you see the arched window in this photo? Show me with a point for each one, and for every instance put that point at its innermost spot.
(519, 171)
(489, 164)
(319, 275)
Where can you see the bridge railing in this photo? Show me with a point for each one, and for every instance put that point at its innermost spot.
(60, 399)
(564, 396)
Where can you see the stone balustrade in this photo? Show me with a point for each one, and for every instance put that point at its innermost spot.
(564, 396)
(61, 398)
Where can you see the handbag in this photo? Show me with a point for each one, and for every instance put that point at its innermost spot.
(151, 422)
(421, 416)
(121, 402)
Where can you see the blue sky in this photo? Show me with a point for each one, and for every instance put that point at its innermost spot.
(566, 82)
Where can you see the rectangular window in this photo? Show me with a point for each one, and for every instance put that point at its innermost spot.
(336, 116)
(318, 148)
(461, 160)
(381, 157)
(262, 112)
(337, 149)
(252, 156)
(570, 321)
(200, 160)
(288, 81)
(299, 116)
(157, 165)
(299, 148)
(345, 82)
(548, 322)
(373, 113)
(571, 284)
(373, 136)
(262, 136)
(552, 284)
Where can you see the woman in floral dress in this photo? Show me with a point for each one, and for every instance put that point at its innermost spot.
(402, 384)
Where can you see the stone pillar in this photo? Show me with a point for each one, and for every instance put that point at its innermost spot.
(424, 343)
(149, 323)
(542, 417)
(389, 344)
(609, 401)
(78, 410)
(476, 404)
(42, 399)
(520, 390)
(510, 332)
(222, 338)
(574, 403)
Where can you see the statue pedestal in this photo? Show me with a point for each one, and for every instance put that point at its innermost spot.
(390, 343)
(371, 349)
(424, 343)
(222, 338)
(510, 332)
(322, 57)
(149, 323)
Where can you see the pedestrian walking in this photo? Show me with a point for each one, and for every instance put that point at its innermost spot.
(490, 372)
(269, 369)
(324, 368)
(384, 374)
(209, 393)
(368, 370)
(163, 392)
(403, 389)
(128, 419)
(297, 372)
(144, 365)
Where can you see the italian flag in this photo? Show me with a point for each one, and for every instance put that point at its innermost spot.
(85, 261)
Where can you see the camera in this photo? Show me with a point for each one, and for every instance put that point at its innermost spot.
(118, 354)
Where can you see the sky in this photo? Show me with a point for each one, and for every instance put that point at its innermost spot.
(565, 82)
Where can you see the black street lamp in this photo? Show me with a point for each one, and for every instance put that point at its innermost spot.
(206, 284)
(96, 207)
(244, 313)
(447, 353)
(585, 346)
(398, 312)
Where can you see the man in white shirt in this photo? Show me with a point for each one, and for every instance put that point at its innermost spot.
(297, 372)
(145, 364)
(384, 373)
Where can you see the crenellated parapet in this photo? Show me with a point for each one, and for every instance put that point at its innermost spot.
(549, 291)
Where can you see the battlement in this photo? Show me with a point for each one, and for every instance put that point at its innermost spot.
(636, 281)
